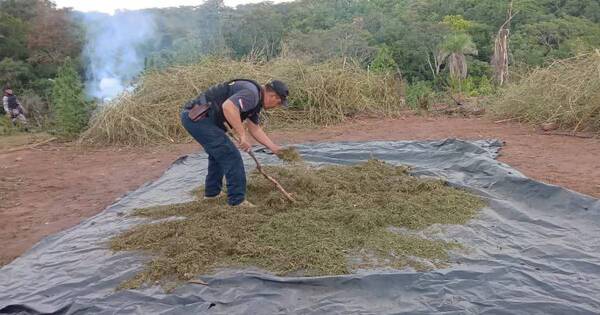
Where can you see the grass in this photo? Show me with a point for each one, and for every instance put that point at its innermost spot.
(321, 94)
(343, 214)
(566, 93)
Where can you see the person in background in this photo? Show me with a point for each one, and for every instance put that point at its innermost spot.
(13, 108)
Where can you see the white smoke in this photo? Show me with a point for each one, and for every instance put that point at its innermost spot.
(113, 50)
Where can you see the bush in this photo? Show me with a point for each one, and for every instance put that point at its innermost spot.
(69, 107)
(384, 61)
(6, 126)
(566, 93)
(419, 94)
(36, 108)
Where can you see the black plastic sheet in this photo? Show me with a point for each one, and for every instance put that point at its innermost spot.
(534, 250)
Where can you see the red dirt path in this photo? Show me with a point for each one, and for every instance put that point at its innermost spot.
(49, 189)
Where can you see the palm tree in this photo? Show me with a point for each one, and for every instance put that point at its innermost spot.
(453, 52)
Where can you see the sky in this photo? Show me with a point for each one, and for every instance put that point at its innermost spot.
(109, 6)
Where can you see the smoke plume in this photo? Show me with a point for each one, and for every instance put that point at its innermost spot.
(114, 51)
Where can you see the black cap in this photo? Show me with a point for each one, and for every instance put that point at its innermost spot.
(281, 89)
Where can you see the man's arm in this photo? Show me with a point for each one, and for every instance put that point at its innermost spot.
(259, 134)
(232, 115)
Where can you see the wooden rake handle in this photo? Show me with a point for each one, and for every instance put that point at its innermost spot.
(260, 169)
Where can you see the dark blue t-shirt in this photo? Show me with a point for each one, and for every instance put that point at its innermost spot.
(245, 95)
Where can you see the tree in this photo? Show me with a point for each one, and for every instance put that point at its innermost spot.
(255, 29)
(384, 61)
(344, 40)
(13, 37)
(23, 10)
(14, 73)
(69, 107)
(52, 38)
(455, 47)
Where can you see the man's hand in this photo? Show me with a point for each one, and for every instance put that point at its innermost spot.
(276, 149)
(260, 136)
(244, 144)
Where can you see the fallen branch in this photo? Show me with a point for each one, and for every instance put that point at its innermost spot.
(505, 120)
(260, 170)
(569, 134)
(31, 146)
(200, 282)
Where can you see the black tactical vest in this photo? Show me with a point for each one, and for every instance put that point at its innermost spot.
(12, 102)
(218, 94)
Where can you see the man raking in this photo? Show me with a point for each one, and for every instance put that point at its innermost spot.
(235, 103)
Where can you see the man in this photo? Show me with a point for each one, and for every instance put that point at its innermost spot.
(12, 107)
(234, 103)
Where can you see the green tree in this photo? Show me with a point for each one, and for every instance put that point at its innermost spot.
(454, 51)
(14, 73)
(457, 23)
(20, 9)
(384, 61)
(13, 37)
(70, 110)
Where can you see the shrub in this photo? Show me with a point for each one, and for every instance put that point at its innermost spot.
(69, 107)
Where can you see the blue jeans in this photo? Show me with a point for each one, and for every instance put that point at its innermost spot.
(223, 159)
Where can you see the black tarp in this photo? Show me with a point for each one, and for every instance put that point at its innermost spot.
(534, 250)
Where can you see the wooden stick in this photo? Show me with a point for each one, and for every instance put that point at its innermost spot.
(568, 134)
(505, 120)
(260, 169)
(197, 281)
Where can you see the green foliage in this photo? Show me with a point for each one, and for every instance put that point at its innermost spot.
(23, 10)
(426, 40)
(453, 53)
(460, 43)
(418, 94)
(13, 37)
(14, 73)
(35, 38)
(342, 41)
(384, 61)
(457, 23)
(6, 126)
(564, 37)
(71, 112)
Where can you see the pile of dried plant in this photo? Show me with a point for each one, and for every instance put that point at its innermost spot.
(566, 93)
(340, 222)
(321, 94)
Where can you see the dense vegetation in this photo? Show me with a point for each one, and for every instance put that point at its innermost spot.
(434, 45)
(36, 39)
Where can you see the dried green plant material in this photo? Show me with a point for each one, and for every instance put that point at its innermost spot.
(340, 210)
(289, 154)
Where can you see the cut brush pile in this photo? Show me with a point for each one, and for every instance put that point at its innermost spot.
(567, 93)
(341, 222)
(321, 94)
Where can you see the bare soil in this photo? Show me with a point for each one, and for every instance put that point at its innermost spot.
(51, 188)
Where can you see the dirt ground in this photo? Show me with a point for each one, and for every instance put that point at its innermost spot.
(51, 188)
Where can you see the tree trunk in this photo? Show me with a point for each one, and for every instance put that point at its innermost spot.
(500, 58)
